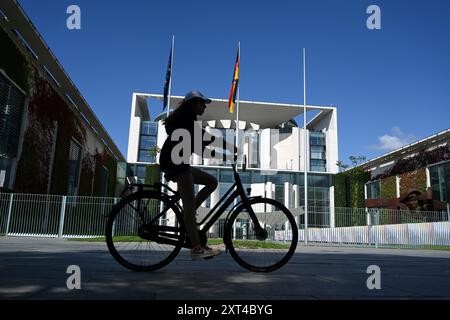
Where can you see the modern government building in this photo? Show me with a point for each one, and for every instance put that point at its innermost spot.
(269, 136)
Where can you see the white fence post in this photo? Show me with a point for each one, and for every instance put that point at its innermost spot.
(62, 216)
(8, 221)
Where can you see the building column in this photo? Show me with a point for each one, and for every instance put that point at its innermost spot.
(288, 195)
(296, 195)
(332, 210)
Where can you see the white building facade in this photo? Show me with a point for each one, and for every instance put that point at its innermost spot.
(270, 138)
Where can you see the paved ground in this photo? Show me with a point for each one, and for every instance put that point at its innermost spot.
(35, 268)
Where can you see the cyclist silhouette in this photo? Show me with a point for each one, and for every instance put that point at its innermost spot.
(185, 117)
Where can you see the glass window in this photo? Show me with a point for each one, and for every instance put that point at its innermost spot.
(318, 152)
(373, 190)
(104, 181)
(257, 177)
(146, 156)
(223, 188)
(74, 168)
(245, 177)
(279, 193)
(147, 142)
(5, 169)
(318, 165)
(317, 138)
(140, 172)
(12, 102)
(440, 181)
(253, 144)
(149, 128)
(212, 172)
(226, 176)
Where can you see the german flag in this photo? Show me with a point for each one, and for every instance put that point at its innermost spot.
(234, 85)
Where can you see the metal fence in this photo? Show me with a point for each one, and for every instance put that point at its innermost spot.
(78, 217)
(53, 216)
(374, 227)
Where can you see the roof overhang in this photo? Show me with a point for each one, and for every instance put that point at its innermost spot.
(411, 148)
(263, 114)
(15, 22)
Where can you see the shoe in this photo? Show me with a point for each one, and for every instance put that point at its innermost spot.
(203, 253)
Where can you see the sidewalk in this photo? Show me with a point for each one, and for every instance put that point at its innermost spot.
(35, 268)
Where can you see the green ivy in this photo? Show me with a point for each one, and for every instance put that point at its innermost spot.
(414, 180)
(340, 190)
(349, 188)
(388, 187)
(152, 174)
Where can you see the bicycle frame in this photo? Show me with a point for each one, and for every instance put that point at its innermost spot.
(213, 216)
(235, 191)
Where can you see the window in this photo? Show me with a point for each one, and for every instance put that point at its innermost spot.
(226, 176)
(373, 190)
(318, 165)
(317, 151)
(253, 145)
(104, 181)
(149, 128)
(279, 193)
(317, 138)
(257, 177)
(5, 169)
(440, 181)
(146, 156)
(12, 101)
(74, 168)
(148, 141)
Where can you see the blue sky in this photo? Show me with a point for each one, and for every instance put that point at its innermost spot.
(391, 86)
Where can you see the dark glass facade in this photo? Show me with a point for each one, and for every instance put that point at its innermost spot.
(440, 181)
(147, 141)
(317, 148)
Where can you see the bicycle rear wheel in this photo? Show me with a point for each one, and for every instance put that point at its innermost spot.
(264, 252)
(144, 231)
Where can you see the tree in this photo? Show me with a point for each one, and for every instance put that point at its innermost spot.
(342, 166)
(357, 160)
(154, 151)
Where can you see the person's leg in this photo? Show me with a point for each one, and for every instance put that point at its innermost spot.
(209, 182)
(185, 183)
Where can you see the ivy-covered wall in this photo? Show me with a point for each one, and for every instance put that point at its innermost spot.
(340, 190)
(420, 160)
(416, 179)
(388, 187)
(50, 124)
(152, 174)
(349, 188)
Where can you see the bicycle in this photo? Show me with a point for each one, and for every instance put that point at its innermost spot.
(145, 230)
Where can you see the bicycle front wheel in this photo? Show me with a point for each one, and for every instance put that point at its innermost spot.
(263, 251)
(144, 231)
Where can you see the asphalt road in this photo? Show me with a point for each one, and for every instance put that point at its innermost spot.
(36, 268)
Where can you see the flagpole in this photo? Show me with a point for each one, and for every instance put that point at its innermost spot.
(237, 102)
(305, 135)
(163, 179)
(171, 74)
